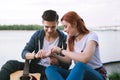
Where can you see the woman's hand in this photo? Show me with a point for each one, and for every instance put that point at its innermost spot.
(55, 49)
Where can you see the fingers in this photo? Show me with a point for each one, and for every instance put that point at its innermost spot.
(41, 54)
(48, 53)
(55, 49)
(52, 50)
(54, 61)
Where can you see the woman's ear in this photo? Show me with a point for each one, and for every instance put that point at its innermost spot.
(74, 24)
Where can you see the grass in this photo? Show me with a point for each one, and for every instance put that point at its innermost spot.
(114, 76)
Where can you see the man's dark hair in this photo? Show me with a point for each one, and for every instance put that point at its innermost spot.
(50, 15)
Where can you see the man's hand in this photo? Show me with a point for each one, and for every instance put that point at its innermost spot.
(41, 54)
(54, 61)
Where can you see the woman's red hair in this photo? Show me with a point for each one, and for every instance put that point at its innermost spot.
(72, 18)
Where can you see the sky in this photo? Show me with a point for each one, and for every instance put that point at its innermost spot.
(94, 12)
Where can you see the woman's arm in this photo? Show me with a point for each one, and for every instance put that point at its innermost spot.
(84, 56)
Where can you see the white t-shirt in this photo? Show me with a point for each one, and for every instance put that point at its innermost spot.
(46, 46)
(79, 46)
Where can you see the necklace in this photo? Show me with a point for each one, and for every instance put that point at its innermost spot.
(77, 35)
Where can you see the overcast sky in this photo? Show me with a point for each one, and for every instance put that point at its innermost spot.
(94, 12)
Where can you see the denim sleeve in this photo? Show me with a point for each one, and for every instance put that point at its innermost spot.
(30, 46)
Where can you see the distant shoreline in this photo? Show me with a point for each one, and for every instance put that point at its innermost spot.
(36, 27)
(106, 28)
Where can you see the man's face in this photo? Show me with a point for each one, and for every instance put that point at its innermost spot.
(50, 27)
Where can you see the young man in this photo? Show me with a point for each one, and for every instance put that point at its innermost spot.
(38, 46)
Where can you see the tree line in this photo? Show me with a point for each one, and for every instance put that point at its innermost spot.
(23, 27)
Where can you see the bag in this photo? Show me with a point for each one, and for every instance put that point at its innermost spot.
(102, 71)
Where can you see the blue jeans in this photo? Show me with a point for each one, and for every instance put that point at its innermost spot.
(80, 71)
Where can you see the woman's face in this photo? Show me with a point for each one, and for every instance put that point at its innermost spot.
(68, 28)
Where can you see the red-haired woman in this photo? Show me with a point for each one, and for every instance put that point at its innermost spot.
(82, 49)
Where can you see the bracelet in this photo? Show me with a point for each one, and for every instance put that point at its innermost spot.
(61, 50)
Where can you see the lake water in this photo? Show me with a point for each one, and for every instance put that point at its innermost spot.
(12, 43)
